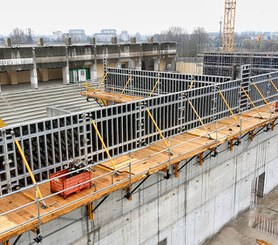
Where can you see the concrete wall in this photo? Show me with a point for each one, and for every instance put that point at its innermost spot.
(3, 78)
(55, 74)
(189, 68)
(184, 210)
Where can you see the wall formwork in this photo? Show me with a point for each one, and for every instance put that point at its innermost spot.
(184, 210)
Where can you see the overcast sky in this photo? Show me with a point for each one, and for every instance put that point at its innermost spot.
(144, 16)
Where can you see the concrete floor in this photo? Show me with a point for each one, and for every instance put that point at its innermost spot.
(239, 232)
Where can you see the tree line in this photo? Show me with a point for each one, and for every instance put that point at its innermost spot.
(188, 45)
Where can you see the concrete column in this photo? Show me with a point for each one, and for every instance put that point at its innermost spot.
(93, 72)
(138, 64)
(34, 78)
(173, 64)
(44, 74)
(66, 76)
(131, 64)
(12, 77)
(157, 64)
(33, 72)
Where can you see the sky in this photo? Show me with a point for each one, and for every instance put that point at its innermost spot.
(144, 16)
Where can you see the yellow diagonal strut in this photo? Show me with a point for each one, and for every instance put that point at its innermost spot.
(157, 128)
(126, 84)
(2, 124)
(154, 87)
(227, 104)
(251, 101)
(102, 80)
(194, 110)
(274, 85)
(29, 170)
(191, 84)
(260, 93)
(103, 144)
(199, 118)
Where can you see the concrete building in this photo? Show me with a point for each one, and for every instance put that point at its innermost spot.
(124, 37)
(75, 63)
(105, 36)
(78, 35)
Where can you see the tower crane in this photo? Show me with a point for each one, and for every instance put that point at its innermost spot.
(229, 25)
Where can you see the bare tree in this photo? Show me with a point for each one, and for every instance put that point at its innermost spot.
(174, 34)
(187, 44)
(18, 36)
(198, 41)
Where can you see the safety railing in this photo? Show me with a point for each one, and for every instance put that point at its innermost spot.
(124, 172)
(50, 143)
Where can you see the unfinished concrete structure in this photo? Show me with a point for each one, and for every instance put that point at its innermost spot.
(170, 166)
(75, 63)
(227, 64)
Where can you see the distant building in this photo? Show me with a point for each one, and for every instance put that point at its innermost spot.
(77, 35)
(123, 37)
(1, 39)
(57, 36)
(105, 35)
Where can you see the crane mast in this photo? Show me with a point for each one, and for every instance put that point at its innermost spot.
(229, 26)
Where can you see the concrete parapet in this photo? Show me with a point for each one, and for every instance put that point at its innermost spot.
(133, 40)
(40, 42)
(8, 42)
(68, 41)
(93, 41)
(114, 40)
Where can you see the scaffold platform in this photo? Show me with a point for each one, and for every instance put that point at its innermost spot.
(22, 211)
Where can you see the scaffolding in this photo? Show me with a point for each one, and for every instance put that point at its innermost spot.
(124, 143)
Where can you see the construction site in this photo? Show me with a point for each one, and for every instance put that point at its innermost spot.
(135, 152)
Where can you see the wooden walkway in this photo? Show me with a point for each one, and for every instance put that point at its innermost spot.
(110, 96)
(131, 168)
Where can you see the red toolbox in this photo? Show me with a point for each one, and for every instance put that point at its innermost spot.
(65, 182)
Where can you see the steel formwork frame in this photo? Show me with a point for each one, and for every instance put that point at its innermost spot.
(51, 143)
(143, 82)
(221, 64)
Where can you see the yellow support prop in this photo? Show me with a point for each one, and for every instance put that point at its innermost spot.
(87, 86)
(154, 87)
(191, 84)
(199, 118)
(126, 84)
(197, 114)
(2, 124)
(157, 128)
(260, 93)
(274, 85)
(228, 106)
(103, 144)
(29, 169)
(251, 101)
(102, 80)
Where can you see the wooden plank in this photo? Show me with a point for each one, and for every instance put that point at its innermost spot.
(187, 145)
(111, 96)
